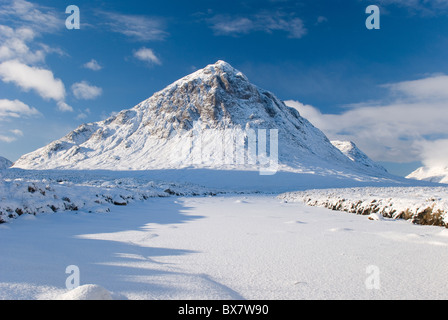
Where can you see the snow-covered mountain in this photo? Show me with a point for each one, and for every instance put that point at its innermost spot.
(208, 110)
(432, 174)
(350, 149)
(4, 163)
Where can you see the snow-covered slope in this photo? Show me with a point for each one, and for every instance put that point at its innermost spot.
(356, 155)
(431, 174)
(4, 163)
(219, 105)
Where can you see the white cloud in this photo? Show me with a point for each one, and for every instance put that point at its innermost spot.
(37, 17)
(404, 130)
(433, 88)
(64, 107)
(426, 7)
(14, 45)
(20, 52)
(40, 80)
(26, 22)
(147, 55)
(321, 19)
(93, 65)
(7, 139)
(17, 132)
(83, 114)
(264, 22)
(83, 90)
(15, 109)
(140, 28)
(434, 153)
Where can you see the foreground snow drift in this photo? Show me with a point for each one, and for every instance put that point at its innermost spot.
(87, 292)
(421, 205)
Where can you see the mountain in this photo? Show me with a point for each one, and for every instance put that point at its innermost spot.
(437, 174)
(4, 163)
(350, 150)
(195, 123)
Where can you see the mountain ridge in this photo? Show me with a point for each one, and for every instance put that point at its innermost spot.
(5, 163)
(351, 150)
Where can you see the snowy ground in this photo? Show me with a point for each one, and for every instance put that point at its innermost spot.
(225, 247)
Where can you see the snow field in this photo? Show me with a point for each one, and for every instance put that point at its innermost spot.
(224, 247)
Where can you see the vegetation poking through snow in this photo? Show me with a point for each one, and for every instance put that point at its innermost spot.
(420, 205)
(20, 196)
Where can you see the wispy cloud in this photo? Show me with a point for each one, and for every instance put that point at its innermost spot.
(83, 114)
(64, 107)
(26, 22)
(12, 136)
(39, 18)
(7, 139)
(423, 6)
(406, 126)
(15, 109)
(136, 27)
(14, 44)
(17, 132)
(84, 91)
(147, 55)
(432, 88)
(232, 25)
(321, 19)
(93, 65)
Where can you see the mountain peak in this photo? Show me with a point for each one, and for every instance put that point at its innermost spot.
(222, 64)
(220, 70)
(209, 103)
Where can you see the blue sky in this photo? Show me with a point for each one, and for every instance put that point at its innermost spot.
(384, 89)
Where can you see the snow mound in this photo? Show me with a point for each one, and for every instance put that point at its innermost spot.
(87, 292)
(432, 174)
